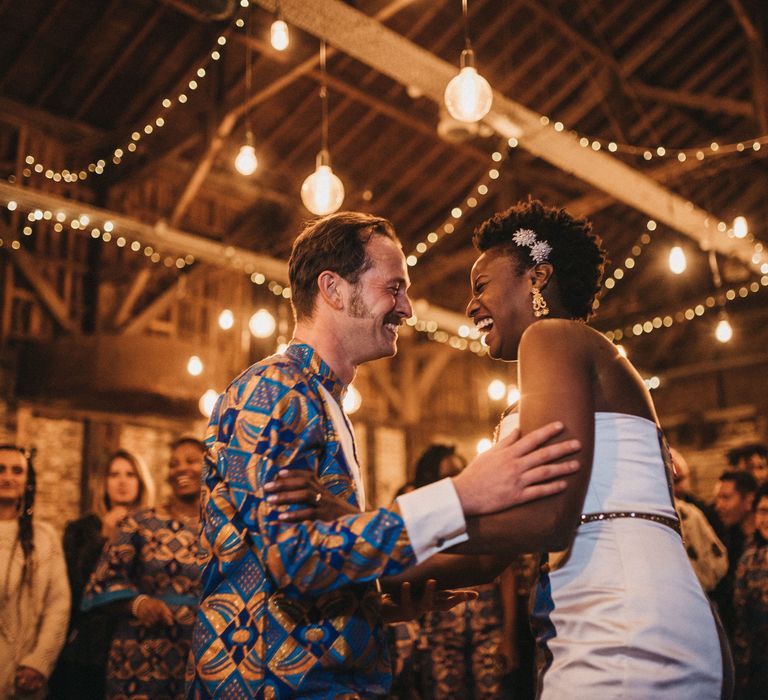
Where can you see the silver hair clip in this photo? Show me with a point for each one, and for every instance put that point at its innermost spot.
(539, 250)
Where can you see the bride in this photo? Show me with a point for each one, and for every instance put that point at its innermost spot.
(619, 612)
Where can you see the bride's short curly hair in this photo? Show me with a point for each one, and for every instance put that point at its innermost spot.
(577, 254)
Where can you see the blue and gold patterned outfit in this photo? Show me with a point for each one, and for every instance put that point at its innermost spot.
(288, 610)
(750, 602)
(156, 555)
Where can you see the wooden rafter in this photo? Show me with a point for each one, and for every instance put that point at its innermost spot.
(81, 43)
(168, 239)
(162, 301)
(393, 55)
(51, 16)
(758, 56)
(119, 60)
(29, 267)
(20, 115)
(137, 288)
(707, 103)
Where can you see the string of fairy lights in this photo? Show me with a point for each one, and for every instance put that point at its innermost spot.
(467, 338)
(158, 121)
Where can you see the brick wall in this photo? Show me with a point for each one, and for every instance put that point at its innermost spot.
(59, 445)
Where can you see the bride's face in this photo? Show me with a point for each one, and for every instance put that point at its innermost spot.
(501, 302)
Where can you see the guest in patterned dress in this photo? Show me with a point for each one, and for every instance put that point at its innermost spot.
(150, 572)
(751, 609)
(124, 485)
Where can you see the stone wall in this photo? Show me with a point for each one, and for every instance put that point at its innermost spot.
(71, 448)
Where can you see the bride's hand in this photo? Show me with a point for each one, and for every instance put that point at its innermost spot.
(516, 470)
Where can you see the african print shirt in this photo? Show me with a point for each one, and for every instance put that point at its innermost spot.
(288, 610)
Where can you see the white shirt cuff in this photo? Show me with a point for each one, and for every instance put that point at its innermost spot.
(434, 518)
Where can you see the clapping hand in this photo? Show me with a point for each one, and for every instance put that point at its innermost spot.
(151, 611)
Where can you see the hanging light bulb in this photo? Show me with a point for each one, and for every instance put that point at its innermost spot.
(246, 161)
(278, 32)
(677, 262)
(468, 96)
(226, 320)
(278, 35)
(322, 192)
(513, 395)
(262, 324)
(207, 402)
(740, 227)
(723, 330)
(352, 400)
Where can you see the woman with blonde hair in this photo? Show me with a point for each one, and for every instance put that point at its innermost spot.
(149, 573)
(123, 486)
(34, 597)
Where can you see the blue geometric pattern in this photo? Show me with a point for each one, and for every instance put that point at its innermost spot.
(287, 610)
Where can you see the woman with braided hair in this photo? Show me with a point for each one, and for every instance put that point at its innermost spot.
(34, 593)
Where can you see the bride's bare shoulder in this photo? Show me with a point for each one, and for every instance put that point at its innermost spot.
(558, 333)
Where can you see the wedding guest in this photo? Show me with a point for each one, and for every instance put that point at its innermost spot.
(123, 485)
(34, 594)
(751, 609)
(149, 572)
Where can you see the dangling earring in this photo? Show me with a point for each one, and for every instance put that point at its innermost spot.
(540, 307)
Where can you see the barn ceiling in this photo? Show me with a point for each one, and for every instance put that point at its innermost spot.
(679, 88)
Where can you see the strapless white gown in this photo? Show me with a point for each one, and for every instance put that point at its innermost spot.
(622, 614)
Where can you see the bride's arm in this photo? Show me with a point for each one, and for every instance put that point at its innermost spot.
(555, 375)
(450, 571)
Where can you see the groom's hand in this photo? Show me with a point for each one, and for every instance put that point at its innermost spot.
(516, 470)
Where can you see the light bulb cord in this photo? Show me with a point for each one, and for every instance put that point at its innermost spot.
(323, 98)
(465, 18)
(248, 74)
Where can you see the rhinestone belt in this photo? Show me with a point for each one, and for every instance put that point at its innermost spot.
(670, 522)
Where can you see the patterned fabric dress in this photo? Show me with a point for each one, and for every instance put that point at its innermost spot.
(465, 648)
(156, 555)
(751, 634)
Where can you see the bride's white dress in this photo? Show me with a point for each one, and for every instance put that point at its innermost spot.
(621, 614)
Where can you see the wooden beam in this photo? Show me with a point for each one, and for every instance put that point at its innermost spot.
(758, 57)
(30, 268)
(74, 53)
(119, 60)
(370, 42)
(382, 378)
(138, 286)
(20, 115)
(50, 17)
(160, 235)
(172, 240)
(162, 301)
(704, 103)
(430, 372)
